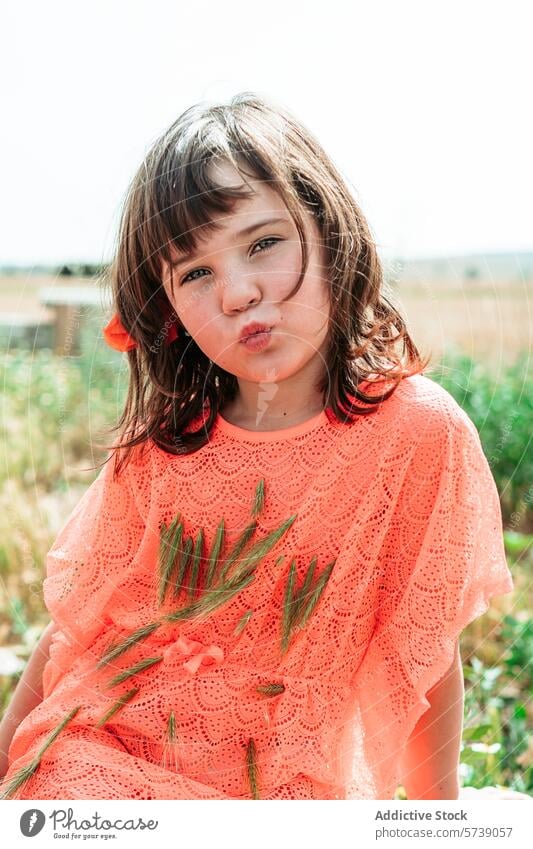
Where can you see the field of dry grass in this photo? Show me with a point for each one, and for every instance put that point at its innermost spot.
(19, 294)
(488, 321)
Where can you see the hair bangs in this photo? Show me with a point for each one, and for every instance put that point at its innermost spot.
(188, 198)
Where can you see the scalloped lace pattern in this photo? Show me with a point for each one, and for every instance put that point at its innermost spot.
(403, 500)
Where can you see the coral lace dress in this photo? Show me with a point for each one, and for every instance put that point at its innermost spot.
(263, 619)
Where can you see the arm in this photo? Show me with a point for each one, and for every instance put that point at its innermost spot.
(28, 694)
(430, 763)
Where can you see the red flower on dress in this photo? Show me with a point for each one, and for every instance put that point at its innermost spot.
(193, 653)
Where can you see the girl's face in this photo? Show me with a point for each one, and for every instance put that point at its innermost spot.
(241, 277)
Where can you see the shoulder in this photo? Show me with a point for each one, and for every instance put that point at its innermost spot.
(420, 416)
(421, 405)
(125, 480)
(438, 434)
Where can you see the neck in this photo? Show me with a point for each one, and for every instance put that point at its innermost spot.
(272, 406)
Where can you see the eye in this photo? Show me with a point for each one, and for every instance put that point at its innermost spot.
(262, 241)
(272, 241)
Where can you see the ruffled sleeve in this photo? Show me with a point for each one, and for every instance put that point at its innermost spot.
(90, 556)
(441, 562)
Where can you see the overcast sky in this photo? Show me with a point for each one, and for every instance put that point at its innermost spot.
(425, 108)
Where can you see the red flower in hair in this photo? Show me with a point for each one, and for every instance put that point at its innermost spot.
(118, 338)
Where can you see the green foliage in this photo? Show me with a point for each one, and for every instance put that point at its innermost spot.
(518, 636)
(496, 747)
(501, 406)
(55, 408)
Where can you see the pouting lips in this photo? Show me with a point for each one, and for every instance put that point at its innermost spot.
(256, 341)
(254, 329)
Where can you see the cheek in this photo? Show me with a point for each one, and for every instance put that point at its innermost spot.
(194, 306)
(203, 319)
(321, 294)
(200, 325)
(310, 306)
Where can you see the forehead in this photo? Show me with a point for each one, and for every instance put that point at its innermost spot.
(225, 174)
(265, 204)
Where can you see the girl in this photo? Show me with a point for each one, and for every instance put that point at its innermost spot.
(261, 596)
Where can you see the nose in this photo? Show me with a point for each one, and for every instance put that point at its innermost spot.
(240, 288)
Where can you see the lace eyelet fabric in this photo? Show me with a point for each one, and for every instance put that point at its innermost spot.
(264, 618)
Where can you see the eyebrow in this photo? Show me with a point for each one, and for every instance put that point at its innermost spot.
(246, 232)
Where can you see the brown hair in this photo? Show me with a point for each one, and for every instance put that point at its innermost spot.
(170, 197)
